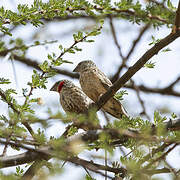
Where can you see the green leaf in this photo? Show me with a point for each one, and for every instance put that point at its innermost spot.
(154, 41)
(60, 47)
(5, 30)
(19, 171)
(50, 57)
(77, 37)
(89, 40)
(149, 64)
(119, 95)
(72, 131)
(89, 177)
(158, 119)
(170, 5)
(19, 42)
(71, 51)
(37, 43)
(10, 91)
(4, 118)
(4, 81)
(173, 115)
(44, 66)
(77, 49)
(40, 136)
(166, 50)
(94, 33)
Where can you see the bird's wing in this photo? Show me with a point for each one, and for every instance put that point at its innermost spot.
(74, 100)
(106, 83)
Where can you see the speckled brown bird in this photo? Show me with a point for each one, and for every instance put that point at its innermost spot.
(72, 98)
(95, 83)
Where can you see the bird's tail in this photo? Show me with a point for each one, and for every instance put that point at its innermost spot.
(115, 108)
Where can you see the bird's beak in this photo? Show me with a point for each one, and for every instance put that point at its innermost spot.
(75, 69)
(54, 88)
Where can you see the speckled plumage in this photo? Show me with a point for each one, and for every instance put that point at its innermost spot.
(72, 98)
(95, 83)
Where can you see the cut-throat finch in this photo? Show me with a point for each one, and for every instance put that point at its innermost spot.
(95, 83)
(72, 98)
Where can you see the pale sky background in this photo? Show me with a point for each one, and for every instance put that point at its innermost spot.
(105, 54)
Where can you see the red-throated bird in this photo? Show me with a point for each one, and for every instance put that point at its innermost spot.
(74, 100)
(95, 83)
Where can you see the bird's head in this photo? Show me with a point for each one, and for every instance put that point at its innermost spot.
(83, 65)
(61, 84)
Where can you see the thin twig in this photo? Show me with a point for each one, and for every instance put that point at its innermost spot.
(106, 117)
(115, 38)
(140, 100)
(6, 145)
(105, 160)
(122, 151)
(171, 168)
(125, 59)
(177, 20)
(63, 164)
(161, 157)
(154, 151)
(87, 172)
(137, 40)
(162, 91)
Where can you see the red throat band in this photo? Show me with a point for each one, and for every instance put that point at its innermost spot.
(60, 86)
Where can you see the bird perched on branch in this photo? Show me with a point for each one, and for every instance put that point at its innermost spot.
(95, 83)
(74, 100)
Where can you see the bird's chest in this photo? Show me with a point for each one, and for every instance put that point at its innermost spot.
(73, 101)
(65, 102)
(88, 82)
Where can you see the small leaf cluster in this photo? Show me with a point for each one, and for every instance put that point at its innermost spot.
(4, 81)
(19, 171)
(89, 177)
(154, 41)
(120, 94)
(40, 137)
(150, 64)
(37, 80)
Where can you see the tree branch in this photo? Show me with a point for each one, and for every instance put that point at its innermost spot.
(162, 91)
(177, 20)
(15, 160)
(115, 11)
(136, 67)
(35, 64)
(140, 99)
(89, 136)
(39, 154)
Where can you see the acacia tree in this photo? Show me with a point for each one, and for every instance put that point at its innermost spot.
(143, 144)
